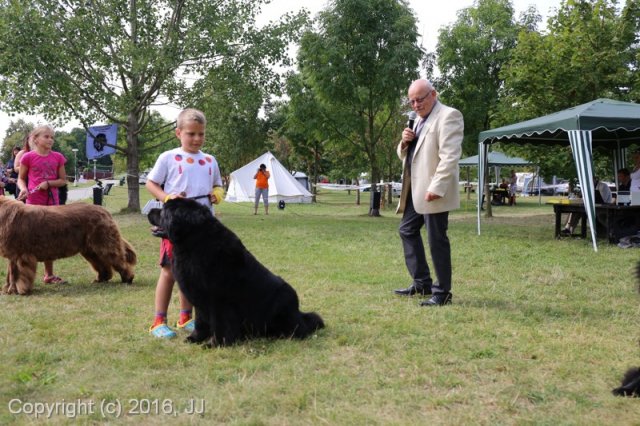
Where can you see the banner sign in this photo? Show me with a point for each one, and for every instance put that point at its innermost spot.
(98, 137)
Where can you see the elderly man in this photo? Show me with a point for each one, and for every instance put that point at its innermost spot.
(430, 153)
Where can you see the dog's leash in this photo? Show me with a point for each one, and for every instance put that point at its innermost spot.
(197, 197)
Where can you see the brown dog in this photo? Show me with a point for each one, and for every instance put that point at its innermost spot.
(31, 234)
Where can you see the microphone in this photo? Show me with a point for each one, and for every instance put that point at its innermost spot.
(412, 119)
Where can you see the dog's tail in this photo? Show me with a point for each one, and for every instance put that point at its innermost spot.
(129, 253)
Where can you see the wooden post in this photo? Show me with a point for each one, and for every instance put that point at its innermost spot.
(487, 197)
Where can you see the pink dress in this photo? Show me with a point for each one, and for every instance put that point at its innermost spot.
(42, 168)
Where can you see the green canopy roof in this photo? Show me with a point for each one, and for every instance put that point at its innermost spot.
(496, 159)
(602, 122)
(608, 120)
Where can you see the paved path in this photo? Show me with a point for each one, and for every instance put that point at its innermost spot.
(83, 193)
(76, 194)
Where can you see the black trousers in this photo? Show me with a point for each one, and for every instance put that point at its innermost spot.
(414, 252)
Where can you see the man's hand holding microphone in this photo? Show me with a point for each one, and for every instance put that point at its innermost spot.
(408, 135)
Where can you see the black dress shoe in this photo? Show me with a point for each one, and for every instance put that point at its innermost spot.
(413, 289)
(438, 299)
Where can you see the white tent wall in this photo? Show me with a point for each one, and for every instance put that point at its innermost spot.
(282, 185)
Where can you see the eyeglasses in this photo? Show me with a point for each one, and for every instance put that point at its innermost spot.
(420, 100)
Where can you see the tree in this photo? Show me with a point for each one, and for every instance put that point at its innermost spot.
(590, 51)
(359, 63)
(232, 105)
(304, 127)
(113, 59)
(470, 55)
(390, 167)
(15, 136)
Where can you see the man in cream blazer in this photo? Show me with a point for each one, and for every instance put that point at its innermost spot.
(430, 153)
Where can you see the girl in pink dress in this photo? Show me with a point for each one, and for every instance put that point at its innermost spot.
(41, 174)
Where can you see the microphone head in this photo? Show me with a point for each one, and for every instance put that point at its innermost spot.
(412, 118)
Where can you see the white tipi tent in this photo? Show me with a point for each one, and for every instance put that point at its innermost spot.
(282, 185)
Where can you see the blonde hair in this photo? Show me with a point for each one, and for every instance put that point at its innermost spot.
(190, 114)
(37, 131)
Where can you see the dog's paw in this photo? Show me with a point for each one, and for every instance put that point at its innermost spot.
(630, 384)
(196, 337)
(624, 391)
(619, 392)
(13, 289)
(214, 342)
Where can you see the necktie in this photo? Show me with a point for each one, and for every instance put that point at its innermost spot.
(419, 127)
(412, 146)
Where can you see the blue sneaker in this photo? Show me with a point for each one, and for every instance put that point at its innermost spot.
(162, 331)
(188, 326)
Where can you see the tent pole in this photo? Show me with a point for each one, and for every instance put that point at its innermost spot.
(539, 186)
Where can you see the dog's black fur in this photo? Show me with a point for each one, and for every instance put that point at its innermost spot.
(631, 380)
(234, 295)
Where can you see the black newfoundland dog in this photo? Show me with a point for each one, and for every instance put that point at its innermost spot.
(631, 381)
(234, 295)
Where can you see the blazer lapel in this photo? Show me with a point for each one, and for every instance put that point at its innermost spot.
(425, 128)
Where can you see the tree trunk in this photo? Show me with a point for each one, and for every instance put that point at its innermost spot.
(133, 164)
(487, 196)
(374, 208)
(374, 211)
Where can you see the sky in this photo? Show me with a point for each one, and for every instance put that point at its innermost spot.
(430, 19)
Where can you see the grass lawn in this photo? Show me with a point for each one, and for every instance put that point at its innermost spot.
(539, 332)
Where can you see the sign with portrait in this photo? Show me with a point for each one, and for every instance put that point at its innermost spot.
(101, 141)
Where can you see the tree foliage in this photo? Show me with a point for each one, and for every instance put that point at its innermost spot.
(15, 136)
(111, 60)
(471, 52)
(359, 62)
(306, 128)
(590, 51)
(232, 103)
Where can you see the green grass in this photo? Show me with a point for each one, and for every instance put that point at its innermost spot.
(540, 330)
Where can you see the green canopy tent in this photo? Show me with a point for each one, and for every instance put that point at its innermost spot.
(602, 122)
(496, 159)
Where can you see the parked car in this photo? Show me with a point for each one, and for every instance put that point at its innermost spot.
(142, 178)
(396, 188)
(560, 188)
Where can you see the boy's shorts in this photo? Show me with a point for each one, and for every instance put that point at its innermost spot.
(166, 252)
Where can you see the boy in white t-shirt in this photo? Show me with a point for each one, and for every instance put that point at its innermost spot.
(182, 172)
